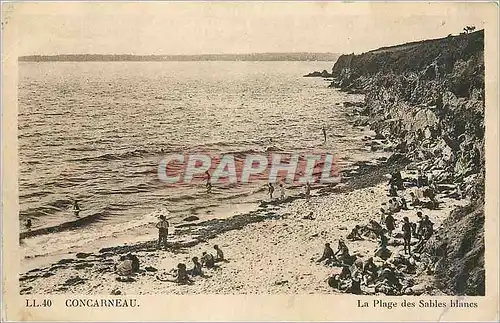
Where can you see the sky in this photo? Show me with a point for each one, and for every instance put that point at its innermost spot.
(163, 28)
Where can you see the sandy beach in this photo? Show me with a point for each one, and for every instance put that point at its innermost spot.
(270, 251)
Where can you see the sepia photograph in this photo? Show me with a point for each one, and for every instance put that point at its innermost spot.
(250, 148)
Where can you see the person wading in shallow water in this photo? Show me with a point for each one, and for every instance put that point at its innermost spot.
(76, 208)
(162, 227)
(209, 184)
(324, 133)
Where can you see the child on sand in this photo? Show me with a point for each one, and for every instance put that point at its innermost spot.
(282, 191)
(220, 255)
(208, 260)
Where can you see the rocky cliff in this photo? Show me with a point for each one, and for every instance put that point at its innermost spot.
(428, 98)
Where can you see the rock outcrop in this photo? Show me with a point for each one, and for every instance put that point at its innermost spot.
(428, 98)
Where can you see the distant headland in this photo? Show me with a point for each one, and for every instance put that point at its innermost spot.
(303, 56)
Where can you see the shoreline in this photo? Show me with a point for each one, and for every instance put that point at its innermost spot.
(87, 272)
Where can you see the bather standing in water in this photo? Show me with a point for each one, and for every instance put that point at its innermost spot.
(76, 208)
(209, 184)
(324, 132)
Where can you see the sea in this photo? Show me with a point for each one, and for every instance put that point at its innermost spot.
(97, 131)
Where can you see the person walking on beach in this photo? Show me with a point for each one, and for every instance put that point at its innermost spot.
(270, 191)
(324, 133)
(406, 234)
(162, 227)
(308, 191)
(282, 191)
(28, 224)
(76, 208)
(209, 184)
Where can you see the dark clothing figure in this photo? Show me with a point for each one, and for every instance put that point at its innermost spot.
(406, 235)
(76, 208)
(324, 133)
(390, 224)
(355, 234)
(28, 224)
(328, 254)
(396, 180)
(270, 191)
(208, 260)
(219, 254)
(393, 191)
(135, 262)
(196, 271)
(162, 227)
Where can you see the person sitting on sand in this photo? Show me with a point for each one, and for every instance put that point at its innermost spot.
(196, 271)
(270, 190)
(393, 205)
(328, 254)
(28, 224)
(369, 271)
(415, 201)
(135, 262)
(219, 256)
(282, 191)
(406, 234)
(181, 278)
(343, 250)
(124, 268)
(382, 251)
(376, 228)
(162, 227)
(390, 224)
(355, 234)
(334, 281)
(76, 208)
(208, 260)
(345, 273)
(393, 190)
(402, 202)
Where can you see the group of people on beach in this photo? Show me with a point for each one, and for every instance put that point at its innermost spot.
(271, 189)
(385, 270)
(182, 275)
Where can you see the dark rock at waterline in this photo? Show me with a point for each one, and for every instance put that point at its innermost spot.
(150, 269)
(74, 281)
(84, 265)
(324, 74)
(47, 274)
(191, 218)
(379, 136)
(65, 261)
(125, 279)
(82, 255)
